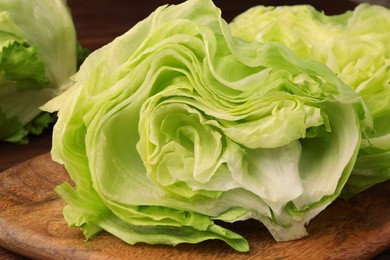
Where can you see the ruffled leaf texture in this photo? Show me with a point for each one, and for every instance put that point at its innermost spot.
(356, 46)
(177, 125)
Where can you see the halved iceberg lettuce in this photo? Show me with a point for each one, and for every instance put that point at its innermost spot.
(177, 125)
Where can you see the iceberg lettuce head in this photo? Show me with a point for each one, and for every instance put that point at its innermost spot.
(177, 125)
(37, 57)
(356, 46)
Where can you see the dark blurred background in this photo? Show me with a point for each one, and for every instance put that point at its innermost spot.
(98, 23)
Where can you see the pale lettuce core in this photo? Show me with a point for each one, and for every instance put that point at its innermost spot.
(37, 57)
(356, 46)
(177, 124)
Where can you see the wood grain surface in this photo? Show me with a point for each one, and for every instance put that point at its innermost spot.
(31, 224)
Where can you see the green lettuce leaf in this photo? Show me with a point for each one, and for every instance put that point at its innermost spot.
(37, 56)
(177, 124)
(356, 46)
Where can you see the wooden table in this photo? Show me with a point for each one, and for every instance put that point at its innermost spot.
(97, 23)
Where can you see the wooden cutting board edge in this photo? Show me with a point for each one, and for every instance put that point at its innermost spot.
(28, 189)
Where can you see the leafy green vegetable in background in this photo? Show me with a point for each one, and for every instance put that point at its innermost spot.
(356, 46)
(37, 57)
(177, 124)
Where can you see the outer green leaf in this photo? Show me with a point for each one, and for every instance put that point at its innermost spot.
(37, 57)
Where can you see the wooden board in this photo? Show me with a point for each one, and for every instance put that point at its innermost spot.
(31, 224)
